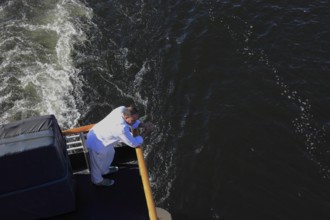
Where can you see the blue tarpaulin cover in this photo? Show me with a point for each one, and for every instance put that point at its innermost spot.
(37, 180)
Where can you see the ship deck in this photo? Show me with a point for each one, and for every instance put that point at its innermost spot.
(125, 200)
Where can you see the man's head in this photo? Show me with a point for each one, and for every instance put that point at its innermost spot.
(130, 115)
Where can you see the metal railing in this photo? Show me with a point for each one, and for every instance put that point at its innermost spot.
(76, 144)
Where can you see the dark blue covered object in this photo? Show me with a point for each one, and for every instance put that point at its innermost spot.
(36, 178)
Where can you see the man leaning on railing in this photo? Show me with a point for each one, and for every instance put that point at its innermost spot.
(102, 138)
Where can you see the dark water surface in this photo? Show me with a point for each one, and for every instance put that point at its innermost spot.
(240, 93)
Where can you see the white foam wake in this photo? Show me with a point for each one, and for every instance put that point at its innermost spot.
(37, 73)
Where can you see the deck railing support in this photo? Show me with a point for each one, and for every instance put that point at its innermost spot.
(146, 184)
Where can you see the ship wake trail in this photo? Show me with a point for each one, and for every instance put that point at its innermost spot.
(37, 72)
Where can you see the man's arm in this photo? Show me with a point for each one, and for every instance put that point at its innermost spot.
(136, 125)
(127, 137)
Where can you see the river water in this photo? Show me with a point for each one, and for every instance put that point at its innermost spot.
(239, 91)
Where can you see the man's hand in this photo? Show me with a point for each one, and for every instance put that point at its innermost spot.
(147, 128)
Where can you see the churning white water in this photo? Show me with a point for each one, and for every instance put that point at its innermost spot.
(37, 73)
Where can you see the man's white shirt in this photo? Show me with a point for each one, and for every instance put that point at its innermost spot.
(114, 129)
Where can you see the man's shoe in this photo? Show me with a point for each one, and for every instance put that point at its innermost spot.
(112, 169)
(105, 182)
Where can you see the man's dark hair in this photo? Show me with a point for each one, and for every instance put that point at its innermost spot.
(130, 111)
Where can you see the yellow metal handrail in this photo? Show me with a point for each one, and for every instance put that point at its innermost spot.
(145, 181)
(78, 130)
(142, 168)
